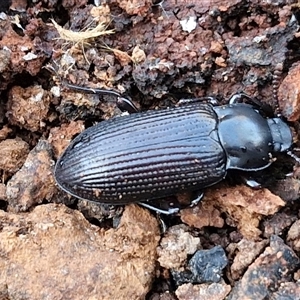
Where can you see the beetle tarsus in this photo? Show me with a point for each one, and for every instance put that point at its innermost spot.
(252, 183)
(294, 156)
(208, 99)
(126, 105)
(198, 198)
(170, 211)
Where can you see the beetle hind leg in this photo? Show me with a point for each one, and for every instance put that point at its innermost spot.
(198, 197)
(169, 211)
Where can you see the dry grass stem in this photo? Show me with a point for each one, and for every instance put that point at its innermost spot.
(83, 36)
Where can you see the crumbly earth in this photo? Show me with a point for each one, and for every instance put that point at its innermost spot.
(54, 246)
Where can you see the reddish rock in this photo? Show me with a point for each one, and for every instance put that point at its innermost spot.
(269, 271)
(13, 154)
(34, 182)
(213, 291)
(2, 193)
(288, 290)
(278, 224)
(244, 207)
(202, 215)
(289, 95)
(28, 108)
(22, 53)
(293, 236)
(244, 254)
(175, 247)
(57, 254)
(61, 137)
(4, 132)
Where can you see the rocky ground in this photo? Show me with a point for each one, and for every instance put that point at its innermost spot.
(238, 243)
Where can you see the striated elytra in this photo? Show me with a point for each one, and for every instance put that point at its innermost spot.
(158, 153)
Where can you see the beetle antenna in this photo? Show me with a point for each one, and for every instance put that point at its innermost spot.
(91, 90)
(276, 80)
(294, 156)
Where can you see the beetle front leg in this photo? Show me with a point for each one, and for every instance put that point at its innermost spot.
(124, 104)
(265, 108)
(208, 99)
(237, 98)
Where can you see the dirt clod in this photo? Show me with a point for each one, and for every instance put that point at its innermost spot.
(13, 154)
(53, 237)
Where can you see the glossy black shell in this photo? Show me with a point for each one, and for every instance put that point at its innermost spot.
(159, 153)
(144, 156)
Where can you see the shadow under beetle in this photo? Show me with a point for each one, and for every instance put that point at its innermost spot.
(153, 154)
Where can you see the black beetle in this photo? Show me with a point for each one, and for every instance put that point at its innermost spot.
(153, 154)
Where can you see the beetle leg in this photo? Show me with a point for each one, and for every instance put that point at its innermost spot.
(90, 90)
(294, 156)
(127, 105)
(124, 104)
(162, 224)
(210, 100)
(252, 183)
(170, 211)
(237, 98)
(199, 195)
(262, 107)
